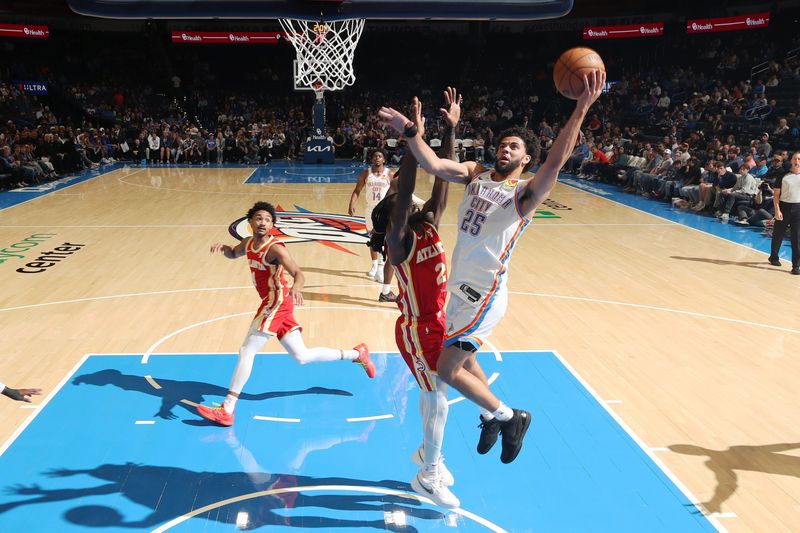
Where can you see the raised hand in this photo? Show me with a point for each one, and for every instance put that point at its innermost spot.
(217, 248)
(393, 118)
(452, 112)
(593, 85)
(416, 114)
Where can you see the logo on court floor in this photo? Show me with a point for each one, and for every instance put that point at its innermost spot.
(305, 226)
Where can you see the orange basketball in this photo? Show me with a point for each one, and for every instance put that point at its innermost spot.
(570, 68)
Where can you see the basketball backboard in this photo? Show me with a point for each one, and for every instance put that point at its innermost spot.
(330, 9)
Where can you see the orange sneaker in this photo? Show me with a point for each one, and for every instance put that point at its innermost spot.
(364, 360)
(216, 414)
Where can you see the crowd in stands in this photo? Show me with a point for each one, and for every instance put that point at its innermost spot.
(706, 133)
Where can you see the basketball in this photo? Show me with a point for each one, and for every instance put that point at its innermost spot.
(571, 67)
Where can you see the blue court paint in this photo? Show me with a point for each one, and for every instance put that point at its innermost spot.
(749, 236)
(83, 462)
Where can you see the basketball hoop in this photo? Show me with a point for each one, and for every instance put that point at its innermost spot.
(325, 52)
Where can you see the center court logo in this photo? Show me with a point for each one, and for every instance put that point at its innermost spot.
(305, 226)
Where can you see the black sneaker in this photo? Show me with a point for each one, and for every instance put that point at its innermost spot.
(388, 297)
(796, 271)
(513, 432)
(489, 431)
(774, 261)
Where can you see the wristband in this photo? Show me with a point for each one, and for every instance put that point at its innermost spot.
(411, 131)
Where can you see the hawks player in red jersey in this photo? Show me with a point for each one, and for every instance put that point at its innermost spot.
(269, 260)
(417, 255)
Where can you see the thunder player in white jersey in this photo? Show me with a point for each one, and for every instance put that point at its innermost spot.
(496, 208)
(376, 182)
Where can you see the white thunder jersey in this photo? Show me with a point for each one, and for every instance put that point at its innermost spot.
(489, 225)
(377, 185)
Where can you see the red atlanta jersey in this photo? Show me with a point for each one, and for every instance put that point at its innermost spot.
(422, 276)
(267, 277)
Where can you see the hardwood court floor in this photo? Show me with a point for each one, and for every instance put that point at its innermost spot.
(695, 339)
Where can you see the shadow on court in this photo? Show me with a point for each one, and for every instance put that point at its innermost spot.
(173, 492)
(345, 299)
(761, 265)
(724, 463)
(356, 274)
(172, 391)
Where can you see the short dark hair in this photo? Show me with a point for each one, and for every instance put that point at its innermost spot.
(372, 153)
(528, 139)
(262, 206)
(523, 133)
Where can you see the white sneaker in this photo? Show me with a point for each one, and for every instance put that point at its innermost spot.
(724, 218)
(379, 274)
(447, 476)
(372, 271)
(435, 490)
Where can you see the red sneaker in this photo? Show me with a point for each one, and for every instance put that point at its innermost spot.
(364, 360)
(217, 415)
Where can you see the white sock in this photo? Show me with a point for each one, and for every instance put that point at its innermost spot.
(375, 263)
(386, 289)
(486, 414)
(247, 354)
(503, 413)
(293, 343)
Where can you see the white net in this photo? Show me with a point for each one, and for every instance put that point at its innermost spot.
(325, 51)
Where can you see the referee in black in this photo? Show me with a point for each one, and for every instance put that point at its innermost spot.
(787, 213)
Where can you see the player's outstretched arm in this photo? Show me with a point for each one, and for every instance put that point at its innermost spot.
(231, 252)
(278, 253)
(398, 238)
(543, 182)
(427, 158)
(362, 180)
(452, 114)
